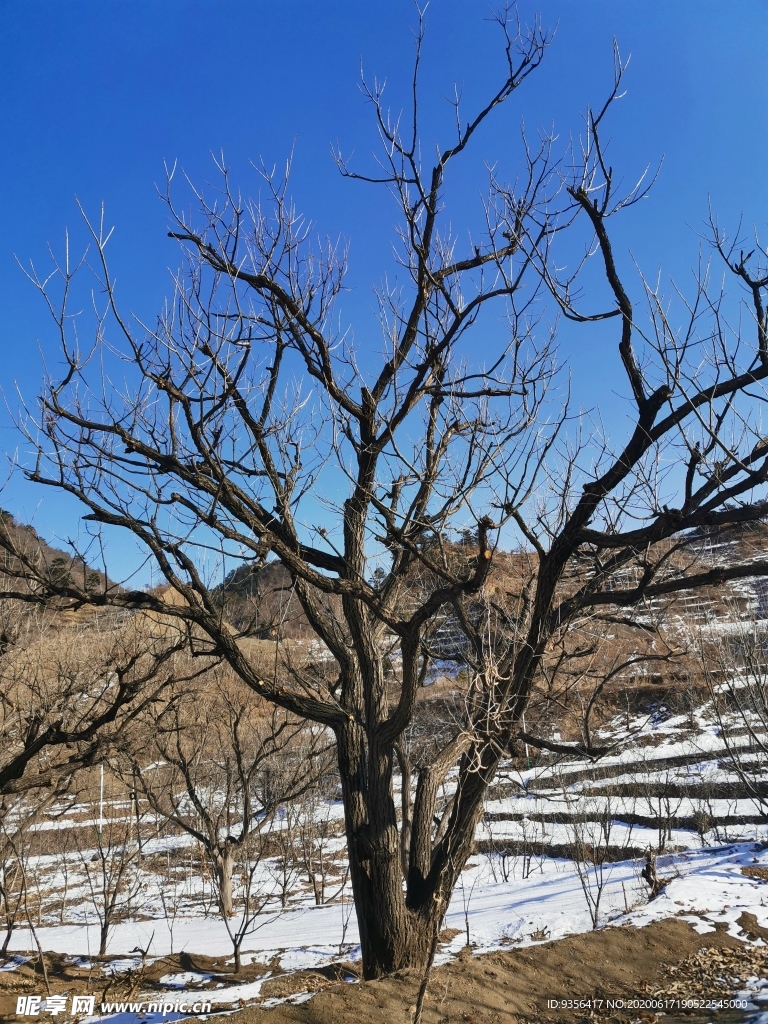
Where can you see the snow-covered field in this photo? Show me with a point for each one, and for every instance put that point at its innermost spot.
(671, 788)
(707, 886)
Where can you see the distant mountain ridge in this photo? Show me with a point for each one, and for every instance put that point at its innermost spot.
(58, 566)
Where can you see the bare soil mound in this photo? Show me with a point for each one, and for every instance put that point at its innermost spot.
(517, 986)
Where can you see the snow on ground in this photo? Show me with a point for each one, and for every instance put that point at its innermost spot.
(710, 887)
(707, 886)
(312, 929)
(509, 898)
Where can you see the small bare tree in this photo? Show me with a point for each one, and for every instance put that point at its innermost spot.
(223, 765)
(317, 829)
(12, 888)
(108, 854)
(253, 900)
(734, 665)
(591, 827)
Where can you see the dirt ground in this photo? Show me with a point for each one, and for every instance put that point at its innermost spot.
(514, 986)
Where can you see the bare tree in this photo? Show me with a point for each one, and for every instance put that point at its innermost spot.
(591, 827)
(222, 767)
(316, 830)
(253, 901)
(735, 669)
(12, 886)
(69, 686)
(250, 426)
(108, 854)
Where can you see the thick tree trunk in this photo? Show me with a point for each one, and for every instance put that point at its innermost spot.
(392, 935)
(391, 941)
(397, 923)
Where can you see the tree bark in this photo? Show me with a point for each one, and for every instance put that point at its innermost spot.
(392, 935)
(224, 863)
(104, 936)
(8, 933)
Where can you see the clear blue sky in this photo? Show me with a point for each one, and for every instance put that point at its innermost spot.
(97, 95)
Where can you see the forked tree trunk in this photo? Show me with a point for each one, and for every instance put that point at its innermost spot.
(396, 930)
